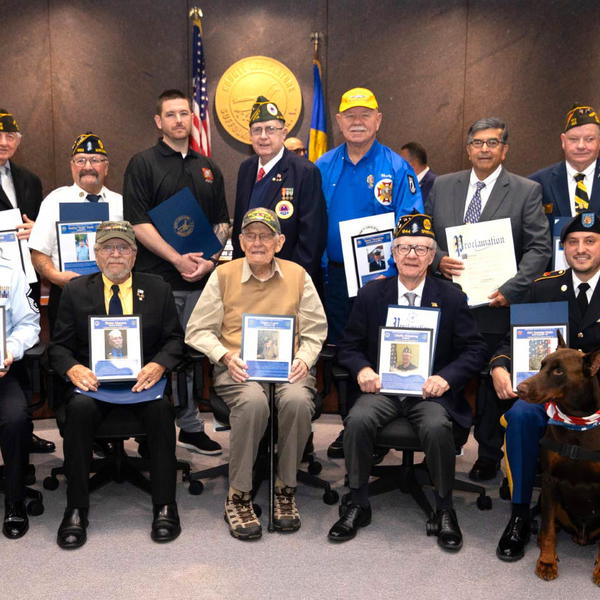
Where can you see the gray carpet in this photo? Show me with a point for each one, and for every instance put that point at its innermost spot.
(392, 558)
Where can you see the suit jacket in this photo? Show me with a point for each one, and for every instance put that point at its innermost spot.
(162, 336)
(584, 329)
(28, 189)
(426, 184)
(514, 197)
(555, 190)
(460, 352)
(306, 229)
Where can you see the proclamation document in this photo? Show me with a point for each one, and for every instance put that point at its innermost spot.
(488, 255)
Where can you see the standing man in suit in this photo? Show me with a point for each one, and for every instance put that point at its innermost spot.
(115, 291)
(525, 423)
(285, 182)
(485, 193)
(572, 186)
(459, 354)
(153, 176)
(416, 156)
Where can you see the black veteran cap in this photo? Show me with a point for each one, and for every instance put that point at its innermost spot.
(262, 215)
(264, 110)
(414, 224)
(115, 229)
(586, 221)
(8, 123)
(88, 143)
(581, 115)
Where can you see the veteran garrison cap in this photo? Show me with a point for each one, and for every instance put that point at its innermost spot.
(358, 97)
(580, 114)
(414, 224)
(586, 221)
(115, 229)
(265, 110)
(88, 143)
(262, 215)
(8, 123)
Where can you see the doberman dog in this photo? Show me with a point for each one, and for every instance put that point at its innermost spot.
(570, 455)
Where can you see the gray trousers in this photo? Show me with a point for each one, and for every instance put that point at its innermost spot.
(249, 406)
(371, 412)
(187, 417)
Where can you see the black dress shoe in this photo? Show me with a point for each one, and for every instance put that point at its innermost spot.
(336, 448)
(512, 544)
(353, 517)
(449, 533)
(165, 526)
(484, 469)
(72, 530)
(40, 446)
(16, 522)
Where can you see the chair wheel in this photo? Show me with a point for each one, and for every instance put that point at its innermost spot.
(257, 509)
(431, 527)
(196, 487)
(484, 503)
(35, 508)
(331, 497)
(504, 491)
(314, 468)
(50, 483)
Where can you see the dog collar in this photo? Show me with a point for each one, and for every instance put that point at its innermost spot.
(557, 417)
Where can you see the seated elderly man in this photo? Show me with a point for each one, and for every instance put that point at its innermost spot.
(22, 327)
(113, 291)
(459, 354)
(260, 284)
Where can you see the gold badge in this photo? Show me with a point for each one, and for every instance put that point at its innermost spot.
(183, 225)
(426, 224)
(244, 81)
(383, 191)
(284, 209)
(435, 305)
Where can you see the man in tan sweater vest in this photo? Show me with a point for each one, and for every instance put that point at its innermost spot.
(260, 284)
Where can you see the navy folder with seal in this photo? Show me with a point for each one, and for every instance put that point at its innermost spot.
(182, 223)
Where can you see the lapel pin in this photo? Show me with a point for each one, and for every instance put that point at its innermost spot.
(563, 288)
(278, 178)
(434, 304)
(140, 295)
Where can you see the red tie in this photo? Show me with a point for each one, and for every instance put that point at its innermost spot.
(261, 174)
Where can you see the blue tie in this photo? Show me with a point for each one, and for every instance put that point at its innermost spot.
(474, 210)
(114, 306)
(93, 197)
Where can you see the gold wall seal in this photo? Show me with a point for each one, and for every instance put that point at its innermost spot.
(244, 81)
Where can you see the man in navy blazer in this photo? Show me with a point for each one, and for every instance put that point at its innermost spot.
(563, 196)
(286, 183)
(459, 355)
(416, 156)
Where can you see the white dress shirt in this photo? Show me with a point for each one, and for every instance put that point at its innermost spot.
(6, 181)
(489, 181)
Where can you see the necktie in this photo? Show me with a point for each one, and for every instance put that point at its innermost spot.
(582, 200)
(582, 297)
(410, 296)
(114, 306)
(474, 210)
(261, 174)
(93, 197)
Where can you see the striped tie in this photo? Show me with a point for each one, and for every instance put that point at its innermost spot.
(582, 200)
(474, 210)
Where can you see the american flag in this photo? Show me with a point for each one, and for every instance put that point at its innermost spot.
(200, 138)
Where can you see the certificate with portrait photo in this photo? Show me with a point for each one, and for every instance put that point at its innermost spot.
(530, 345)
(404, 360)
(10, 248)
(76, 246)
(116, 347)
(2, 338)
(371, 253)
(268, 346)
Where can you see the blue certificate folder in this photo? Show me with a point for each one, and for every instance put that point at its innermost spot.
(75, 212)
(182, 223)
(541, 313)
(120, 393)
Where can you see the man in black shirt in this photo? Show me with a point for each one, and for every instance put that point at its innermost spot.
(152, 177)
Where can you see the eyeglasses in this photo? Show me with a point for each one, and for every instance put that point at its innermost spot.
(268, 130)
(121, 249)
(94, 161)
(491, 143)
(252, 237)
(406, 248)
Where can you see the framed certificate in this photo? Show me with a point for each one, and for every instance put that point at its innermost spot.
(414, 317)
(10, 247)
(404, 359)
(2, 338)
(530, 345)
(116, 347)
(371, 252)
(76, 246)
(268, 346)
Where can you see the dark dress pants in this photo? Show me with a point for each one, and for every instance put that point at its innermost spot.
(15, 436)
(84, 415)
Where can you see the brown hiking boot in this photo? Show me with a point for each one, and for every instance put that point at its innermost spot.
(241, 518)
(286, 516)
